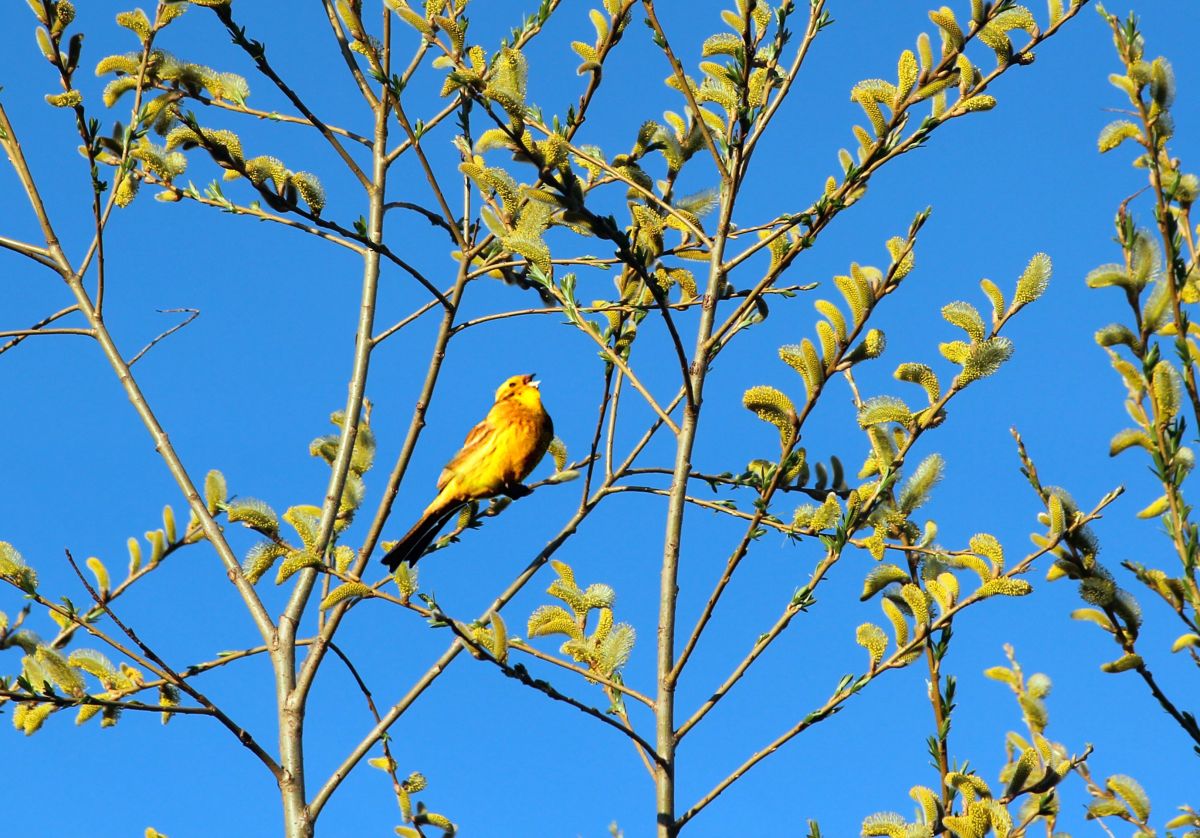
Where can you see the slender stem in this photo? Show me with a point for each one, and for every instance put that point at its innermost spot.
(84, 305)
(900, 658)
(29, 333)
(391, 330)
(623, 308)
(97, 701)
(212, 529)
(815, 12)
(366, 691)
(273, 116)
(941, 716)
(612, 355)
(430, 175)
(611, 434)
(16, 157)
(171, 675)
(682, 79)
(605, 398)
(642, 753)
(37, 254)
(192, 314)
(760, 515)
(439, 666)
(292, 693)
(190, 535)
(520, 674)
(579, 670)
(735, 482)
(348, 56)
(1185, 720)
(665, 740)
(258, 55)
(415, 427)
(377, 733)
(760, 646)
(257, 212)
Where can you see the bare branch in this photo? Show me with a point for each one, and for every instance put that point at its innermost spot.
(37, 254)
(65, 701)
(258, 54)
(519, 673)
(192, 314)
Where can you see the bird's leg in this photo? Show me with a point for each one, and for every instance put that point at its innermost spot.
(516, 490)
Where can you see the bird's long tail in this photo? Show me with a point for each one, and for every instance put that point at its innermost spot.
(417, 540)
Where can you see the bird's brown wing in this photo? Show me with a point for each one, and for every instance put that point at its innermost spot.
(477, 438)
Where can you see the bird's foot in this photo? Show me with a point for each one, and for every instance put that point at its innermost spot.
(517, 490)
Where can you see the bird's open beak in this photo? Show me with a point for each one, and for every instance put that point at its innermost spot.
(529, 380)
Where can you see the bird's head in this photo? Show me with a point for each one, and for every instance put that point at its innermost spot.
(522, 388)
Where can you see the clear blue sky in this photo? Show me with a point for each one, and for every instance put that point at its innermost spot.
(252, 381)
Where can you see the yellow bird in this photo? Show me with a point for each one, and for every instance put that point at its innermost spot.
(498, 454)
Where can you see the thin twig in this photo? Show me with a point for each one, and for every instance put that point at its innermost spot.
(348, 56)
(37, 254)
(579, 670)
(272, 116)
(45, 321)
(519, 673)
(682, 79)
(65, 701)
(176, 679)
(362, 686)
(192, 313)
(29, 333)
(163, 445)
(439, 666)
(898, 659)
(257, 53)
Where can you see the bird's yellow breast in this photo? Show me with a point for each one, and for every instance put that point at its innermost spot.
(522, 437)
(517, 438)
